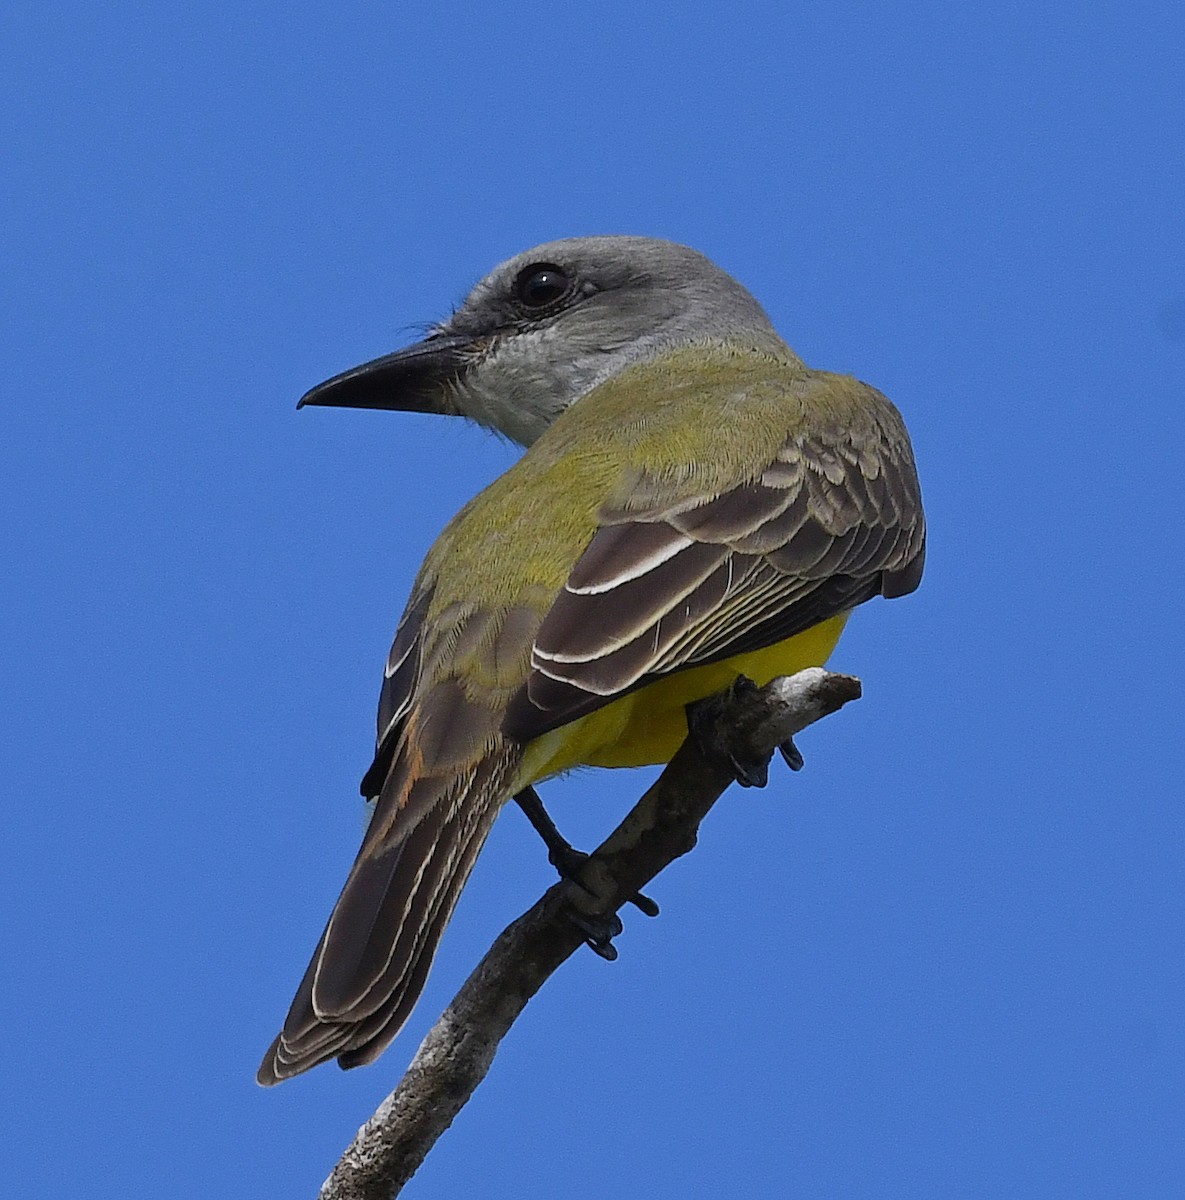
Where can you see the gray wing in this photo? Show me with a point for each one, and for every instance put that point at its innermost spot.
(673, 582)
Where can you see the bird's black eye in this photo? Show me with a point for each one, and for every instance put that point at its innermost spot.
(541, 284)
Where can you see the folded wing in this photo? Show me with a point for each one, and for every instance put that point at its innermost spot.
(672, 581)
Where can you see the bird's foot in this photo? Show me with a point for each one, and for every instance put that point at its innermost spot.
(569, 862)
(599, 929)
(748, 769)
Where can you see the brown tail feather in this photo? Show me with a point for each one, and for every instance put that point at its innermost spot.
(375, 953)
(373, 1036)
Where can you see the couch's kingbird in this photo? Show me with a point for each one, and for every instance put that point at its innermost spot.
(695, 503)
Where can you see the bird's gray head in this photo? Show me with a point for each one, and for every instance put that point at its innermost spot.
(545, 327)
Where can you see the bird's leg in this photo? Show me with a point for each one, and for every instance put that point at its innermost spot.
(568, 861)
(562, 855)
(749, 771)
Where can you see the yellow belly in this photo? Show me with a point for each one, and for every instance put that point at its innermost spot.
(649, 725)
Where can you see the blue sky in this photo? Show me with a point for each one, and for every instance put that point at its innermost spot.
(946, 959)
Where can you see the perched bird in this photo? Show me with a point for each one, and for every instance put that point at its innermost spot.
(695, 504)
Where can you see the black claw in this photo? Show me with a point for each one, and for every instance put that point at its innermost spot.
(702, 726)
(751, 774)
(792, 755)
(599, 932)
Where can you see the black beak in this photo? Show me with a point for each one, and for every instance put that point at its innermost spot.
(415, 379)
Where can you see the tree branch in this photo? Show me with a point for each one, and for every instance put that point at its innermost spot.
(741, 725)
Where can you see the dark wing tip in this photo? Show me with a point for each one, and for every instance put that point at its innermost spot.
(268, 1074)
(905, 579)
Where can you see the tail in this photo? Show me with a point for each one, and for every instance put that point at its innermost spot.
(373, 958)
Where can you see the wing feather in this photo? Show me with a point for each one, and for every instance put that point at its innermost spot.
(671, 581)
(625, 611)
